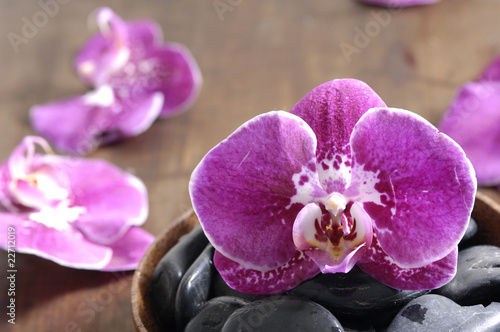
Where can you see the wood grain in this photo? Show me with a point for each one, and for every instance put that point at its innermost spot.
(258, 56)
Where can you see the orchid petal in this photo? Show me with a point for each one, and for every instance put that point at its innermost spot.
(77, 212)
(107, 51)
(399, 3)
(331, 110)
(130, 57)
(98, 117)
(298, 269)
(425, 186)
(170, 69)
(249, 188)
(129, 250)
(21, 158)
(67, 248)
(491, 73)
(472, 121)
(25, 182)
(113, 200)
(377, 264)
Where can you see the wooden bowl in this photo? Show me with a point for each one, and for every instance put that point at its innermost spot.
(486, 213)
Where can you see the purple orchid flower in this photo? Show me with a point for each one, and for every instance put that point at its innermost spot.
(81, 213)
(472, 121)
(399, 3)
(340, 180)
(137, 78)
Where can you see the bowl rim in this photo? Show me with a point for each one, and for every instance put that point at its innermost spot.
(142, 310)
(486, 213)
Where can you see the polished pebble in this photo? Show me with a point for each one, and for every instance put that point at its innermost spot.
(469, 232)
(478, 277)
(214, 314)
(356, 297)
(431, 313)
(169, 271)
(194, 289)
(282, 314)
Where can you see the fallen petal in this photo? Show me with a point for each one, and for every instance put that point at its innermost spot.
(169, 69)
(113, 200)
(472, 121)
(491, 73)
(129, 250)
(140, 34)
(131, 57)
(96, 118)
(65, 247)
(399, 3)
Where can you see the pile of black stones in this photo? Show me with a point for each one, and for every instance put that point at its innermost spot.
(189, 295)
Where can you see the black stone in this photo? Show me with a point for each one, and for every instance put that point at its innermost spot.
(194, 289)
(169, 271)
(478, 277)
(214, 314)
(282, 313)
(437, 313)
(221, 288)
(362, 329)
(470, 232)
(356, 297)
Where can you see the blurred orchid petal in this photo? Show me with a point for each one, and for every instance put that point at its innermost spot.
(80, 213)
(137, 78)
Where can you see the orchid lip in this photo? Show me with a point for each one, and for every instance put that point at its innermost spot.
(334, 245)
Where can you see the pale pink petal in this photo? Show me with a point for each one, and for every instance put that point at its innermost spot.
(129, 250)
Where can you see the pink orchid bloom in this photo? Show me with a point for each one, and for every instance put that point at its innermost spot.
(399, 3)
(81, 213)
(341, 180)
(136, 79)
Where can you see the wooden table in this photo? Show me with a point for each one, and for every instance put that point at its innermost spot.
(255, 56)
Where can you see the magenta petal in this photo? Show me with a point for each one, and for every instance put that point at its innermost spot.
(88, 62)
(95, 118)
(129, 250)
(399, 3)
(491, 72)
(66, 247)
(113, 200)
(426, 186)
(169, 69)
(331, 110)
(107, 51)
(472, 120)
(132, 59)
(377, 264)
(298, 269)
(249, 188)
(135, 115)
(82, 123)
(177, 76)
